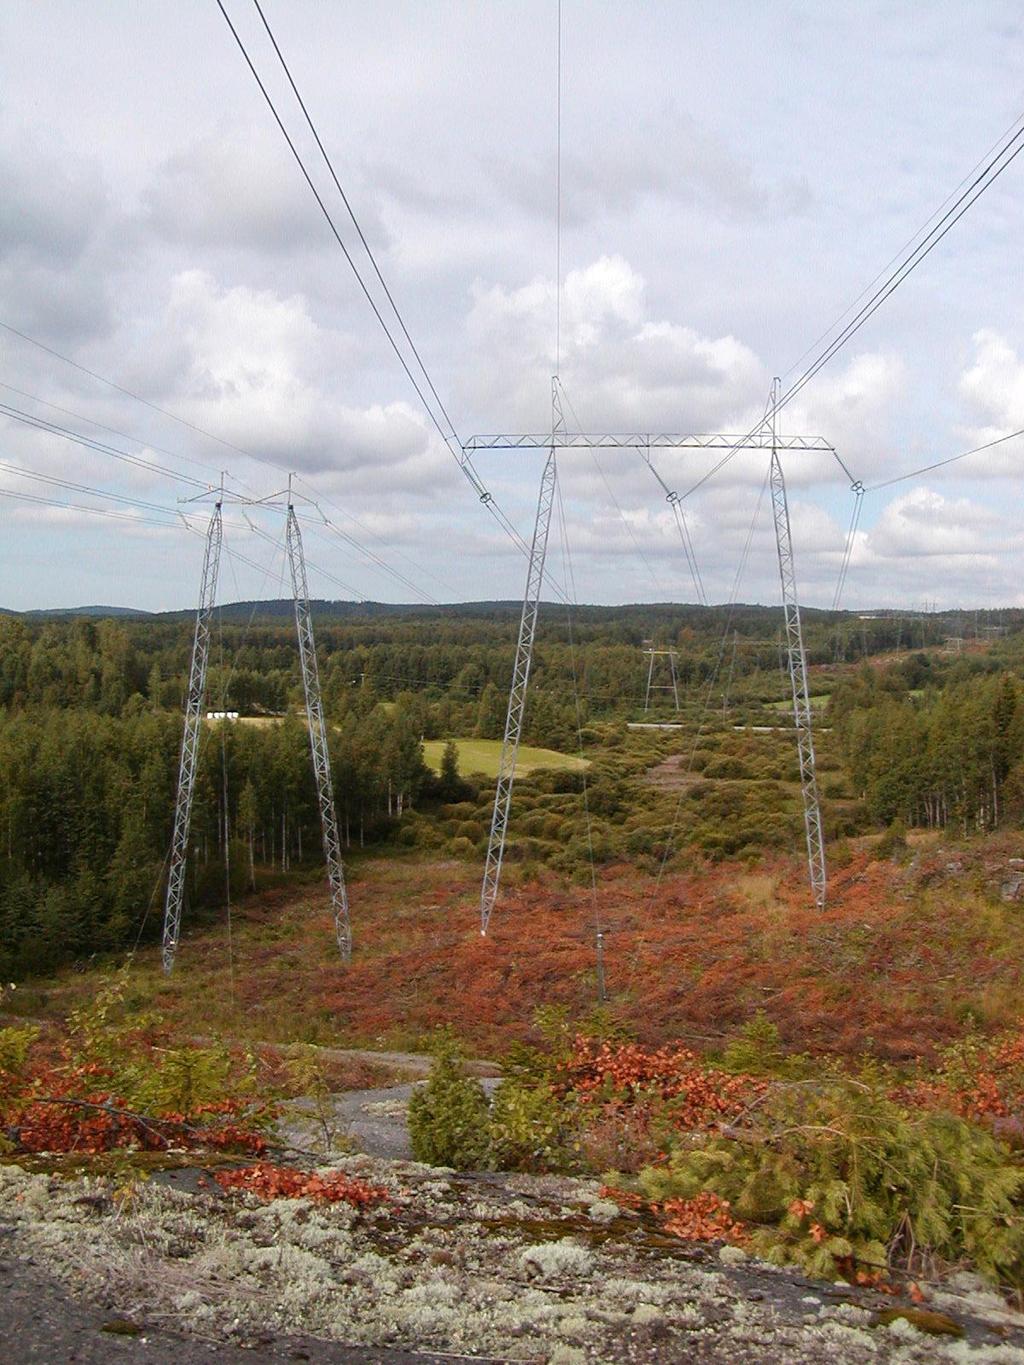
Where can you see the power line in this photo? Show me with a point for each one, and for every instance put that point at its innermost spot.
(940, 464)
(100, 447)
(113, 431)
(85, 488)
(851, 537)
(615, 503)
(976, 188)
(460, 455)
(82, 507)
(375, 558)
(325, 211)
(319, 498)
(558, 197)
(950, 218)
(128, 393)
(906, 245)
(355, 222)
(324, 573)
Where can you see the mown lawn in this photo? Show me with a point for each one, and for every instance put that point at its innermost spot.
(483, 756)
(786, 704)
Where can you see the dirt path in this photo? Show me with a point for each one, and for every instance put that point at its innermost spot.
(370, 1121)
(417, 1063)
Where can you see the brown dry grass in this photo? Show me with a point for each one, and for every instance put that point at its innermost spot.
(897, 963)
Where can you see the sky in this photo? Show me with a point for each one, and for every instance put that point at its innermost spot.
(733, 175)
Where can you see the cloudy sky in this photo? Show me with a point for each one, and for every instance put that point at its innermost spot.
(734, 174)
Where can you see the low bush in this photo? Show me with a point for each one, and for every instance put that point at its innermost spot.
(448, 1116)
(836, 1177)
(530, 1130)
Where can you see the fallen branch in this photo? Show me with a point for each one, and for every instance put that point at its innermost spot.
(149, 1122)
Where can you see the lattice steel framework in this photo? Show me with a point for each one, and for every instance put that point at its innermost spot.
(581, 440)
(520, 676)
(194, 702)
(797, 659)
(765, 437)
(673, 683)
(318, 737)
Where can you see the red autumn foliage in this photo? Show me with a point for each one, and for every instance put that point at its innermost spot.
(55, 1105)
(626, 1199)
(983, 1082)
(268, 1182)
(61, 1119)
(704, 1218)
(622, 1075)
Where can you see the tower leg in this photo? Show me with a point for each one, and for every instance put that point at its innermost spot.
(797, 660)
(318, 738)
(189, 758)
(517, 695)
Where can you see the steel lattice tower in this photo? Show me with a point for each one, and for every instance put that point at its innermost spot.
(764, 437)
(194, 702)
(520, 673)
(673, 683)
(797, 659)
(318, 736)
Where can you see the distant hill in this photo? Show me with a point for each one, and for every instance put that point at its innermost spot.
(81, 611)
(324, 609)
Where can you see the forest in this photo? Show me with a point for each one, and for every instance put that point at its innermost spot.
(911, 731)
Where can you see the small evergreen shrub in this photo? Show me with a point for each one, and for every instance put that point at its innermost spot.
(839, 1178)
(448, 1116)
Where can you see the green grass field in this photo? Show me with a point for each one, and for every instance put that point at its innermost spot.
(483, 756)
(786, 705)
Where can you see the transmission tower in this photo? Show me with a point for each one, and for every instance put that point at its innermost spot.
(194, 701)
(520, 672)
(673, 683)
(797, 660)
(764, 438)
(318, 734)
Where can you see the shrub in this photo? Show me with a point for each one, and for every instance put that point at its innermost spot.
(841, 1179)
(448, 1116)
(893, 841)
(15, 1046)
(729, 768)
(529, 1129)
(758, 1050)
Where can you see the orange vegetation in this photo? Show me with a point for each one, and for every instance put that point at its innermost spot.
(284, 1182)
(899, 962)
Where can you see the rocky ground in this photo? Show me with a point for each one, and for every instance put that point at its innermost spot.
(500, 1267)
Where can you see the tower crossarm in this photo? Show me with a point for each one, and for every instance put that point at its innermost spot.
(715, 440)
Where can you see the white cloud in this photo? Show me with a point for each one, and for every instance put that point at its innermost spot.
(238, 191)
(992, 387)
(260, 373)
(623, 371)
(923, 524)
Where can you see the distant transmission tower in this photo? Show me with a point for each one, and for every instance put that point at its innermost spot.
(673, 683)
(762, 438)
(318, 735)
(194, 702)
(797, 659)
(521, 672)
(194, 705)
